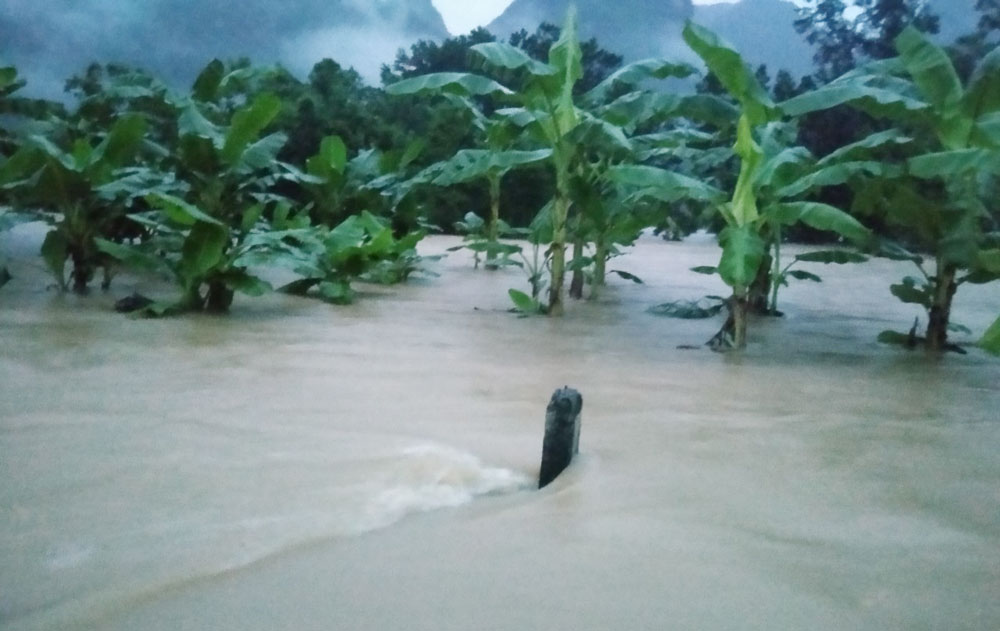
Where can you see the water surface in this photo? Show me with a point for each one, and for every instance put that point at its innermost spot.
(302, 466)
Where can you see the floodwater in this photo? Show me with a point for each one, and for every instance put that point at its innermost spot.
(302, 466)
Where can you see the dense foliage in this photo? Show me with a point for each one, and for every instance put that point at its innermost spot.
(889, 149)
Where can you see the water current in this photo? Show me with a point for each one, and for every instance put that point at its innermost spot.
(301, 466)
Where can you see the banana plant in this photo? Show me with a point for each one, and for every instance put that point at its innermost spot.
(337, 188)
(207, 234)
(545, 104)
(534, 266)
(70, 181)
(362, 247)
(491, 165)
(498, 157)
(762, 199)
(938, 195)
(207, 258)
(476, 237)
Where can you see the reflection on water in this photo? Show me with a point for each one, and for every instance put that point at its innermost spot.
(237, 473)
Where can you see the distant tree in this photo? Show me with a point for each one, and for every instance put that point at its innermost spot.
(710, 84)
(762, 75)
(881, 21)
(16, 110)
(104, 93)
(451, 55)
(842, 41)
(784, 86)
(825, 26)
(967, 50)
(336, 101)
(989, 18)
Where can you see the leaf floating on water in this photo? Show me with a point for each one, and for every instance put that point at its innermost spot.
(894, 337)
(688, 309)
(627, 276)
(804, 275)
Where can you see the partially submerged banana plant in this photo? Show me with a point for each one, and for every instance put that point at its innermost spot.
(937, 195)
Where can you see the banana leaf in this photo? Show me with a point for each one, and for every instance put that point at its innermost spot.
(637, 72)
(460, 83)
(732, 72)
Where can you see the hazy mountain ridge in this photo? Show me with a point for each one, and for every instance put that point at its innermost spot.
(763, 31)
(51, 40)
(174, 38)
(638, 29)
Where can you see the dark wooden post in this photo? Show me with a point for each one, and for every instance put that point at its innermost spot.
(562, 433)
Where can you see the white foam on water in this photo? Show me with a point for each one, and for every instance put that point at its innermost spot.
(250, 522)
(431, 476)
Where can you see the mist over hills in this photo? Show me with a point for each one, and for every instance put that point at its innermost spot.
(636, 29)
(49, 40)
(763, 31)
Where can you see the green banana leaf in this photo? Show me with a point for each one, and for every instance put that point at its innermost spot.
(821, 217)
(732, 72)
(637, 72)
(836, 174)
(512, 58)
(461, 83)
(956, 163)
(206, 85)
(202, 251)
(664, 185)
(247, 124)
(122, 141)
(743, 209)
(742, 253)
(179, 211)
(566, 57)
(983, 94)
(862, 149)
(874, 100)
(470, 164)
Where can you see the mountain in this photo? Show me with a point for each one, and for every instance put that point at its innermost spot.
(636, 29)
(49, 41)
(763, 31)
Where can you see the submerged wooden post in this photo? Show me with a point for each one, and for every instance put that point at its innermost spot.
(562, 433)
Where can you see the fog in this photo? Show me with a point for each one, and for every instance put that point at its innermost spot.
(50, 40)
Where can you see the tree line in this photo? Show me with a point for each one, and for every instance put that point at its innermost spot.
(887, 147)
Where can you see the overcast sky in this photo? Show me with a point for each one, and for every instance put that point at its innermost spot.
(461, 16)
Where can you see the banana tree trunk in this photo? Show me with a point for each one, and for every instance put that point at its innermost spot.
(560, 211)
(740, 308)
(493, 230)
(733, 334)
(940, 312)
(83, 270)
(219, 297)
(760, 291)
(576, 284)
(600, 268)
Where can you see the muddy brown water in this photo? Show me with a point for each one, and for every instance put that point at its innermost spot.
(302, 466)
